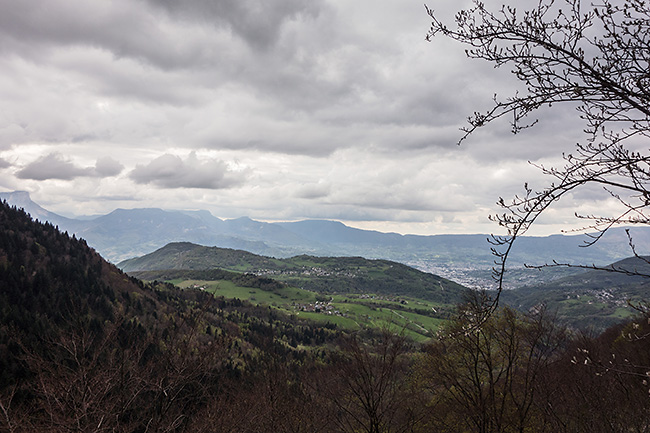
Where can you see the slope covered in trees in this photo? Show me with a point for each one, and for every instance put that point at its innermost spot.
(590, 298)
(84, 347)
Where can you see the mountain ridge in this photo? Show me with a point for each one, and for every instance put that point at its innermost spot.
(127, 233)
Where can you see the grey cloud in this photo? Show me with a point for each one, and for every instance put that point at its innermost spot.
(344, 91)
(170, 171)
(4, 163)
(126, 198)
(52, 166)
(410, 202)
(56, 166)
(123, 28)
(318, 190)
(206, 57)
(10, 134)
(107, 166)
(155, 31)
(357, 213)
(257, 22)
(554, 134)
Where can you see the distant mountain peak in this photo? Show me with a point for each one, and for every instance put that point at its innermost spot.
(17, 194)
(22, 200)
(16, 197)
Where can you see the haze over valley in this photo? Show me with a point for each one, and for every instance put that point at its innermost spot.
(467, 259)
(157, 244)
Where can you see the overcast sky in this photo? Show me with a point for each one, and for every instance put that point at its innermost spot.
(277, 110)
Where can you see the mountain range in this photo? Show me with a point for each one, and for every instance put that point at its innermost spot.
(466, 258)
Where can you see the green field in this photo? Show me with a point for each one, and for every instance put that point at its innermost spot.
(418, 319)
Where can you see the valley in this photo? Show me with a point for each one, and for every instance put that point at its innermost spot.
(350, 292)
(297, 254)
(415, 318)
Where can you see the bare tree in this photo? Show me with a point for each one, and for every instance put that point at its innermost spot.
(11, 421)
(594, 55)
(117, 379)
(81, 383)
(600, 384)
(485, 378)
(369, 388)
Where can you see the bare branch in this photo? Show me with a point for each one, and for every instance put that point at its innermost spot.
(597, 57)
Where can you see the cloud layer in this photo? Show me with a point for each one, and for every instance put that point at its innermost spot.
(277, 110)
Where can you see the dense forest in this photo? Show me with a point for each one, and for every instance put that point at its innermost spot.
(86, 348)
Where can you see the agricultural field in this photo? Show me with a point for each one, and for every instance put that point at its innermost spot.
(416, 318)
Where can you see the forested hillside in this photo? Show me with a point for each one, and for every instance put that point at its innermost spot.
(590, 299)
(84, 347)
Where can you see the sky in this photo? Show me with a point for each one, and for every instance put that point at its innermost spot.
(279, 111)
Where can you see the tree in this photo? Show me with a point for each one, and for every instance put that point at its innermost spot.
(82, 381)
(597, 56)
(486, 377)
(600, 384)
(369, 389)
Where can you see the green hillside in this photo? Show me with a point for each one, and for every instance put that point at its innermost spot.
(326, 275)
(593, 299)
(417, 318)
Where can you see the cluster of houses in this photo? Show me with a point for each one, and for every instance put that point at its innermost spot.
(604, 296)
(308, 271)
(319, 307)
(384, 298)
(328, 308)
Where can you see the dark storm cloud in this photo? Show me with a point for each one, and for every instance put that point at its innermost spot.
(164, 33)
(170, 171)
(316, 76)
(56, 166)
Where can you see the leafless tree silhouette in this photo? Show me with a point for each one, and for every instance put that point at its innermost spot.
(595, 55)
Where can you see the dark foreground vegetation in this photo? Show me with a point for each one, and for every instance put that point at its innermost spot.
(85, 348)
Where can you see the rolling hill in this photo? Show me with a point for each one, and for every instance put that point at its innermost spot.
(320, 274)
(593, 299)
